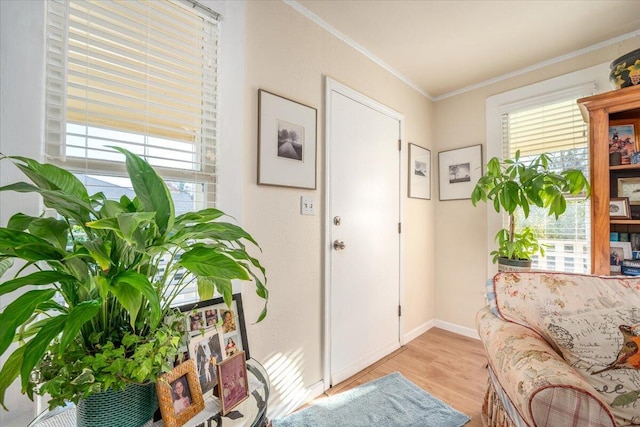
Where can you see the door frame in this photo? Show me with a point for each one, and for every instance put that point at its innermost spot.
(334, 86)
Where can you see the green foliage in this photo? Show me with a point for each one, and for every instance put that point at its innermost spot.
(513, 185)
(96, 319)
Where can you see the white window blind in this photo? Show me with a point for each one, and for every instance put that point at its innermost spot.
(558, 129)
(141, 75)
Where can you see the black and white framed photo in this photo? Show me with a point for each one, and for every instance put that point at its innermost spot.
(213, 316)
(630, 188)
(419, 172)
(458, 172)
(619, 208)
(206, 351)
(287, 132)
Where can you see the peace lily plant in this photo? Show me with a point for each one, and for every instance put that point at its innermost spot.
(512, 185)
(96, 283)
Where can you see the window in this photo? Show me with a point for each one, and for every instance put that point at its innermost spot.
(557, 128)
(139, 75)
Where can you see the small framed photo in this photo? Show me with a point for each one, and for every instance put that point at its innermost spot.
(232, 382)
(619, 208)
(286, 142)
(419, 172)
(179, 395)
(206, 351)
(458, 172)
(619, 251)
(623, 139)
(630, 188)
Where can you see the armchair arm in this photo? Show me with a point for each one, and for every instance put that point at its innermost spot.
(543, 387)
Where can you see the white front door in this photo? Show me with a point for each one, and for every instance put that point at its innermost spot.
(363, 213)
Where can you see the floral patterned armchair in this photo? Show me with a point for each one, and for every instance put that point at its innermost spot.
(563, 350)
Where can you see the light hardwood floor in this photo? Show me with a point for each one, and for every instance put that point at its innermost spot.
(451, 367)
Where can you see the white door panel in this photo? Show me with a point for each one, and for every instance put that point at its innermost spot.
(364, 277)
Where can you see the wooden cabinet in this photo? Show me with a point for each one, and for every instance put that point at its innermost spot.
(600, 110)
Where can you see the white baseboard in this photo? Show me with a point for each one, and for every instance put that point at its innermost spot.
(435, 323)
(411, 335)
(452, 327)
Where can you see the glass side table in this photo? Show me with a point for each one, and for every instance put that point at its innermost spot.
(250, 413)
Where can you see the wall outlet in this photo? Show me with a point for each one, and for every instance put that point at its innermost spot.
(307, 205)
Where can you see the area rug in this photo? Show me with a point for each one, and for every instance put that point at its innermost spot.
(391, 401)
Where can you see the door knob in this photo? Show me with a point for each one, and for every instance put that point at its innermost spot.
(338, 245)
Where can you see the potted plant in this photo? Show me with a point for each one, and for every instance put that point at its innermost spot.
(514, 184)
(101, 316)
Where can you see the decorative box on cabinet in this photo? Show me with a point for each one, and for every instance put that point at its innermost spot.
(599, 111)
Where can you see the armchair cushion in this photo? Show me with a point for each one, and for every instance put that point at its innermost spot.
(543, 388)
(603, 346)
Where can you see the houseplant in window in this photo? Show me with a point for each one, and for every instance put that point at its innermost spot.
(96, 283)
(515, 185)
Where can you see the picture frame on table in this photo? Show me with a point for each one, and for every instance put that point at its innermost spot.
(287, 142)
(179, 395)
(619, 208)
(459, 171)
(624, 140)
(229, 322)
(233, 382)
(630, 188)
(419, 172)
(618, 252)
(205, 350)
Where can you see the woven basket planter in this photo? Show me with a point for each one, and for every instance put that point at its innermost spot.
(131, 407)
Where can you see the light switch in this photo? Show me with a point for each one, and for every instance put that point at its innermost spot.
(307, 205)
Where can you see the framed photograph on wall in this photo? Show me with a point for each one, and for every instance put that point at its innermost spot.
(232, 382)
(458, 172)
(619, 208)
(179, 395)
(618, 251)
(287, 132)
(213, 316)
(419, 172)
(623, 139)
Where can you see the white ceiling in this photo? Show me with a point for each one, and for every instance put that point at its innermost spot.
(442, 47)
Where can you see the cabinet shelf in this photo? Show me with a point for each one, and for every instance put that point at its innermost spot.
(625, 221)
(625, 167)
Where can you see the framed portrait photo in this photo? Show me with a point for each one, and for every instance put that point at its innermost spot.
(623, 139)
(287, 132)
(419, 172)
(618, 251)
(619, 208)
(458, 172)
(232, 382)
(179, 395)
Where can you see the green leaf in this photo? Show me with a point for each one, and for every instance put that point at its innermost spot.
(141, 283)
(214, 230)
(131, 222)
(51, 177)
(204, 261)
(20, 221)
(129, 297)
(78, 316)
(206, 288)
(5, 265)
(626, 399)
(99, 251)
(35, 349)
(151, 190)
(204, 215)
(10, 372)
(52, 230)
(16, 313)
(34, 279)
